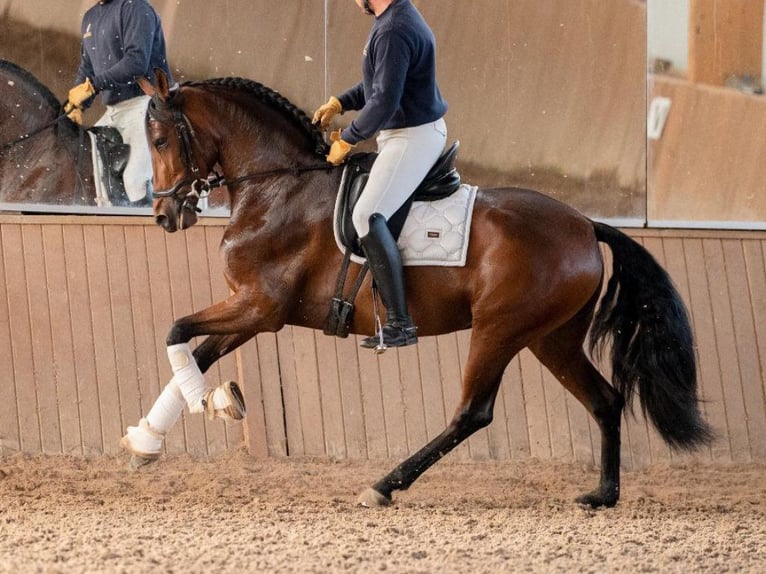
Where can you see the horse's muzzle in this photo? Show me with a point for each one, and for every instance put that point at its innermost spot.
(165, 222)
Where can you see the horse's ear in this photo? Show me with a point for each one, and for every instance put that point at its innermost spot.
(146, 86)
(161, 84)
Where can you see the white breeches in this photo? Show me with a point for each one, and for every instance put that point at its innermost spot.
(128, 117)
(404, 157)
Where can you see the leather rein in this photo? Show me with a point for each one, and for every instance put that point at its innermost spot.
(34, 132)
(202, 186)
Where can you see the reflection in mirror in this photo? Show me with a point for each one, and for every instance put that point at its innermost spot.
(547, 95)
(706, 112)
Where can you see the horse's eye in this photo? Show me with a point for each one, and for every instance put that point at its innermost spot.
(161, 143)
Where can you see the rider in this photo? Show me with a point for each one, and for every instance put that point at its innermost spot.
(121, 40)
(398, 97)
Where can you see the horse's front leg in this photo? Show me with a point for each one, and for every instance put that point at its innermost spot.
(229, 324)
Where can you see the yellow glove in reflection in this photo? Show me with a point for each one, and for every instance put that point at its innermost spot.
(79, 94)
(76, 116)
(327, 112)
(339, 149)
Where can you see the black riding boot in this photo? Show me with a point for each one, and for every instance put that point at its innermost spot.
(386, 266)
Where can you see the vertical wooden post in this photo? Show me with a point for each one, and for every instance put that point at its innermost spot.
(725, 39)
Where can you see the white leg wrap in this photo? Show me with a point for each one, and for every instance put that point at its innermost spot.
(187, 376)
(143, 441)
(167, 408)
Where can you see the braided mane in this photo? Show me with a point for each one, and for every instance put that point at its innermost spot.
(275, 100)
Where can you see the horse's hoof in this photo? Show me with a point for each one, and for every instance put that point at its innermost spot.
(226, 401)
(136, 462)
(371, 498)
(597, 499)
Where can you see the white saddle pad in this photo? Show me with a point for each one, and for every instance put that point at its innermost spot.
(436, 232)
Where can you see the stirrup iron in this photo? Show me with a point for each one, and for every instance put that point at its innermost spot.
(381, 346)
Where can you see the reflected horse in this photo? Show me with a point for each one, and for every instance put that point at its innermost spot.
(44, 157)
(533, 276)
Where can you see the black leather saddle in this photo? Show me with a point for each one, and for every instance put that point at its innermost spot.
(441, 181)
(114, 154)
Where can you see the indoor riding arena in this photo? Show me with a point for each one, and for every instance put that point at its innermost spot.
(646, 116)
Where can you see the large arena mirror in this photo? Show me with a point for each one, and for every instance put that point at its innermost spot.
(546, 95)
(706, 113)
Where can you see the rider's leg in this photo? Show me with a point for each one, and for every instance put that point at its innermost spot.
(404, 158)
(386, 266)
(128, 117)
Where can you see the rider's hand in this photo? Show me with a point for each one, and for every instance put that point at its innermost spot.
(327, 112)
(76, 116)
(78, 95)
(339, 149)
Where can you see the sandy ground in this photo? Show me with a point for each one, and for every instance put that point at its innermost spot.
(239, 514)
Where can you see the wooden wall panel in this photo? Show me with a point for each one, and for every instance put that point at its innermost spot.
(351, 397)
(755, 263)
(42, 345)
(61, 334)
(21, 339)
(89, 412)
(10, 438)
(86, 303)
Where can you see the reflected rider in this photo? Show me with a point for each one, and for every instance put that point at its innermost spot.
(121, 40)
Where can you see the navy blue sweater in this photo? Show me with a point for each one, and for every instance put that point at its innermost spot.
(399, 88)
(121, 40)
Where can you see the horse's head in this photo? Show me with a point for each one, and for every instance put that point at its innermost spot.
(180, 162)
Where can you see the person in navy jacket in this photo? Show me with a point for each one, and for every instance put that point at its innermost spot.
(121, 41)
(399, 99)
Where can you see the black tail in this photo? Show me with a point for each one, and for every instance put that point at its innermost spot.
(652, 343)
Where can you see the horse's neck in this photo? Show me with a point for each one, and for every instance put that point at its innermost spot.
(288, 200)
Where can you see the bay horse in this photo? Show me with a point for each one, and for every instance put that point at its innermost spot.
(44, 156)
(533, 275)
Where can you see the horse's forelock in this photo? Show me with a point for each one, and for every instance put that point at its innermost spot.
(162, 109)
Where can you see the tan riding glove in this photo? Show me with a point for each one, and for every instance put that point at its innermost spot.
(76, 116)
(327, 112)
(339, 149)
(79, 94)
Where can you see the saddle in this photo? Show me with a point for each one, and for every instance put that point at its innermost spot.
(114, 156)
(441, 181)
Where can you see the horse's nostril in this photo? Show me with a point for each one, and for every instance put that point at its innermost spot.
(161, 220)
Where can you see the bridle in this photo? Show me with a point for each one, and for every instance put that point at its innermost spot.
(201, 186)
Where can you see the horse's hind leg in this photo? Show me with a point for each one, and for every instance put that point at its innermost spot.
(562, 353)
(483, 372)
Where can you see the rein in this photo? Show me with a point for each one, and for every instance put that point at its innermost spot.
(216, 180)
(201, 187)
(26, 136)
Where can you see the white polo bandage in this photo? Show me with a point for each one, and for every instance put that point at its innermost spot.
(143, 440)
(187, 376)
(167, 408)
